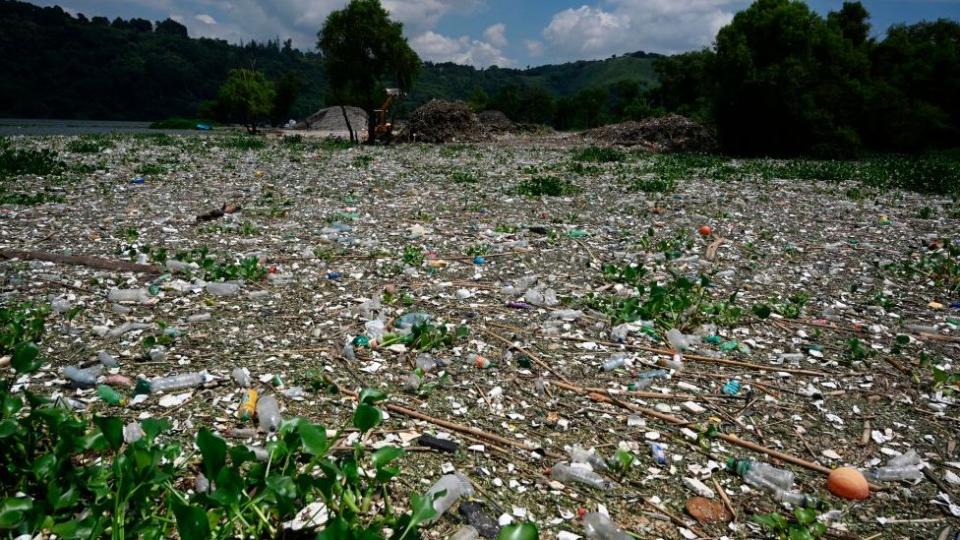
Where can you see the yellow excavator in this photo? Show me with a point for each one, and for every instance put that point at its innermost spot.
(384, 129)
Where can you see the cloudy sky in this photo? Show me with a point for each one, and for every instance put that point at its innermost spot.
(508, 33)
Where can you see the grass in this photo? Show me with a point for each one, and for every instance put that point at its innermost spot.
(464, 177)
(150, 169)
(546, 186)
(89, 145)
(16, 162)
(598, 154)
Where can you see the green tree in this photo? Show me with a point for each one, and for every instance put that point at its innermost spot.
(362, 48)
(853, 21)
(246, 98)
(287, 90)
(787, 82)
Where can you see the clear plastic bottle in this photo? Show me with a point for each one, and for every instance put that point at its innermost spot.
(761, 474)
(241, 376)
(797, 499)
(677, 340)
(268, 414)
(465, 533)
(894, 474)
(222, 289)
(409, 320)
(567, 314)
(82, 378)
(106, 359)
(563, 472)
(579, 454)
(616, 361)
(375, 329)
(128, 295)
(598, 526)
(456, 485)
(199, 317)
(906, 459)
(179, 382)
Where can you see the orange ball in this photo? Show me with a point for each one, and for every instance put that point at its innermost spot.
(706, 230)
(848, 483)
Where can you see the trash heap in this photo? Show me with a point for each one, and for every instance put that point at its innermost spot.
(496, 122)
(609, 362)
(670, 133)
(331, 119)
(441, 122)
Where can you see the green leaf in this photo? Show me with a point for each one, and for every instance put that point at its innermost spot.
(797, 533)
(773, 521)
(314, 438)
(26, 358)
(192, 522)
(153, 427)
(8, 427)
(282, 485)
(805, 516)
(762, 310)
(519, 531)
(112, 429)
(214, 452)
(12, 511)
(385, 455)
(366, 417)
(423, 509)
(336, 529)
(369, 396)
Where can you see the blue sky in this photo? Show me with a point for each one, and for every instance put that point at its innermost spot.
(508, 33)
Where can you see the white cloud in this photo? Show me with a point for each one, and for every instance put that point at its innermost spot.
(534, 48)
(665, 26)
(496, 35)
(463, 50)
(205, 19)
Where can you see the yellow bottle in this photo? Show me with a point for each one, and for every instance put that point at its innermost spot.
(249, 405)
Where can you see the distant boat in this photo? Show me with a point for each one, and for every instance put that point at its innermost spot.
(204, 127)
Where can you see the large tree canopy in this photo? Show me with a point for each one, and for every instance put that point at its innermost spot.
(363, 52)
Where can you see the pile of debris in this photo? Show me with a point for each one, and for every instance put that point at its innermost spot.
(496, 122)
(443, 121)
(332, 119)
(670, 133)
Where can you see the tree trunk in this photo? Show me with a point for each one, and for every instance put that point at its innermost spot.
(372, 127)
(346, 119)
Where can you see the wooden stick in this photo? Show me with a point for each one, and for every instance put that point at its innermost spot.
(81, 260)
(725, 499)
(680, 422)
(698, 358)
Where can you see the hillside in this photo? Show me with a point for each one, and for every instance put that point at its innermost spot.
(56, 65)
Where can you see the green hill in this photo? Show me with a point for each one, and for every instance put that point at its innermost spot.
(56, 65)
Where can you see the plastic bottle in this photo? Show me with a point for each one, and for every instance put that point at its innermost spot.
(241, 376)
(658, 453)
(619, 333)
(132, 432)
(579, 454)
(268, 414)
(677, 340)
(479, 519)
(761, 474)
(199, 317)
(456, 485)
(567, 314)
(248, 405)
(906, 459)
(409, 320)
(894, 474)
(791, 358)
(82, 378)
(465, 533)
(222, 289)
(411, 383)
(60, 305)
(109, 395)
(106, 359)
(375, 329)
(179, 382)
(563, 472)
(426, 362)
(598, 526)
(616, 361)
(797, 499)
(128, 295)
(348, 351)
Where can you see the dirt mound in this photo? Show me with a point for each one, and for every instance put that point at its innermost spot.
(671, 133)
(443, 121)
(496, 122)
(331, 119)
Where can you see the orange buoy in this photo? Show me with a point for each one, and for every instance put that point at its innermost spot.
(706, 230)
(848, 483)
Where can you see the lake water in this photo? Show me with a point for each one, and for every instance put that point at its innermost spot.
(30, 126)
